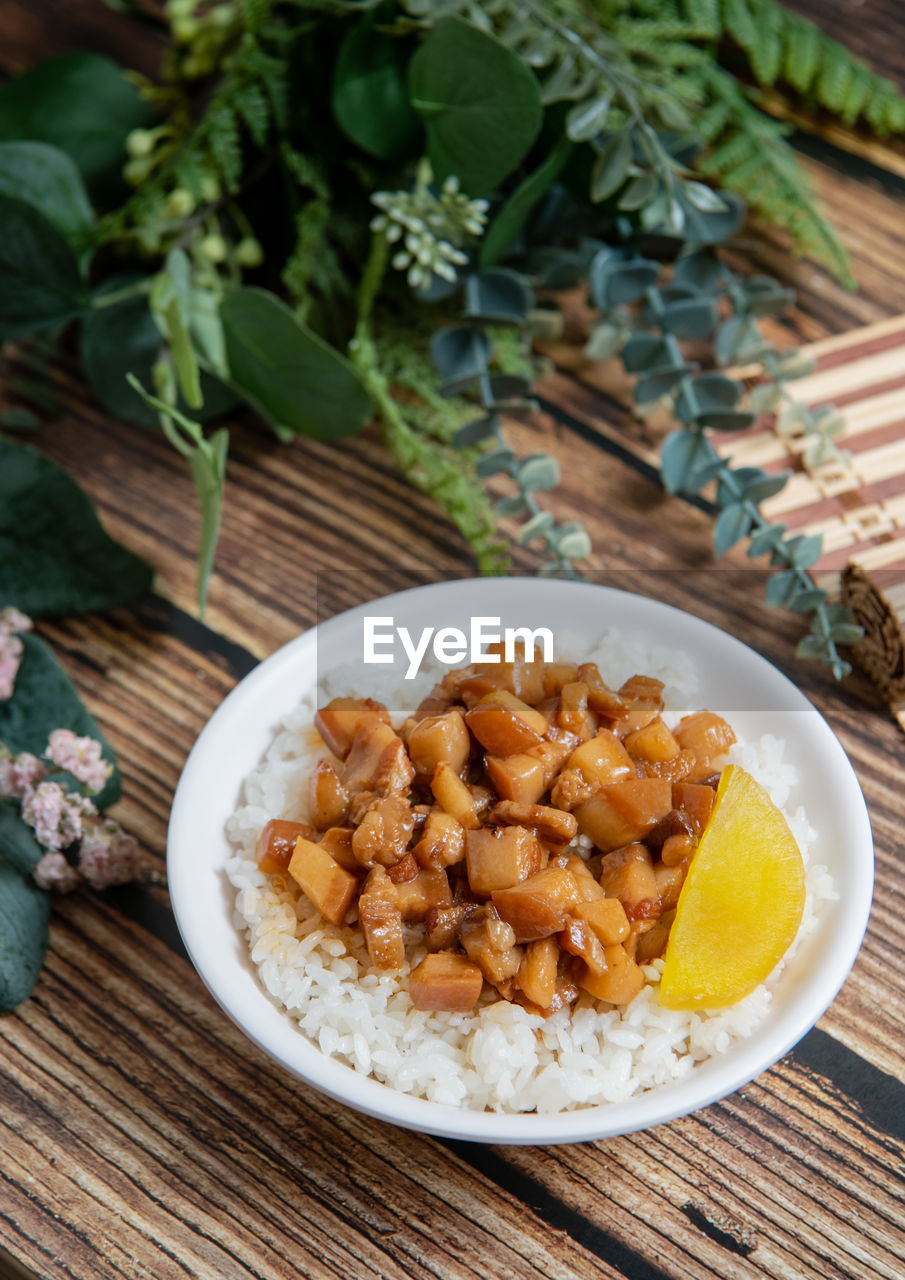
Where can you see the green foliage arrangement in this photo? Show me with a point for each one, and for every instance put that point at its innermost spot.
(336, 210)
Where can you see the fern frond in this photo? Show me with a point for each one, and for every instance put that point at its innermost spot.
(222, 136)
(750, 156)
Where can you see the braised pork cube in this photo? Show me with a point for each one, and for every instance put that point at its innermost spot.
(696, 800)
(552, 756)
(644, 695)
(276, 844)
(602, 761)
(377, 758)
(519, 777)
(454, 797)
(601, 698)
(382, 836)
(499, 857)
(553, 826)
(579, 939)
(505, 725)
(675, 823)
(678, 850)
(586, 887)
(652, 944)
(536, 976)
(573, 711)
(607, 918)
(338, 720)
(653, 742)
(624, 812)
(437, 738)
(328, 799)
(619, 983)
(445, 981)
(423, 892)
(490, 943)
(441, 924)
(557, 675)
(338, 843)
(323, 881)
(442, 842)
(676, 769)
(628, 874)
(381, 921)
(707, 735)
(669, 884)
(537, 907)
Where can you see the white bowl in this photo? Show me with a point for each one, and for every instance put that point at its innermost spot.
(733, 679)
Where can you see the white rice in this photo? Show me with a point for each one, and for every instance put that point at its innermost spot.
(500, 1057)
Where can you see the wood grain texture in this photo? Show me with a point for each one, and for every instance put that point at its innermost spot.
(141, 1135)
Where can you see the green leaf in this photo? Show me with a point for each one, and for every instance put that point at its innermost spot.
(781, 588)
(47, 179)
(370, 93)
(479, 102)
(122, 338)
(509, 222)
(812, 647)
(540, 471)
(474, 432)
(573, 544)
(766, 540)
(24, 919)
(847, 633)
(492, 463)
(586, 120)
(44, 699)
(83, 104)
(291, 376)
(40, 286)
(730, 420)
(54, 554)
(760, 490)
(807, 599)
(498, 296)
(693, 318)
(806, 549)
(683, 453)
(208, 468)
(17, 841)
(611, 167)
(639, 192)
(460, 353)
(538, 526)
(732, 524)
(629, 282)
(18, 419)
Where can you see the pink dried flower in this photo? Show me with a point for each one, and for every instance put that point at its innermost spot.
(18, 773)
(82, 757)
(10, 659)
(55, 815)
(107, 855)
(12, 619)
(54, 873)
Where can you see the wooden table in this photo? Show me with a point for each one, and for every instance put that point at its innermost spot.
(141, 1135)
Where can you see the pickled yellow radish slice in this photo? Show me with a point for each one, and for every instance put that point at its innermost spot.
(741, 903)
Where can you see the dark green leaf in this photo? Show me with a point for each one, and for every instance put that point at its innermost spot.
(639, 192)
(83, 104)
(474, 432)
(767, 539)
(290, 375)
(17, 841)
(40, 286)
(587, 119)
(812, 647)
(630, 281)
(847, 633)
(123, 338)
(370, 93)
(508, 507)
(704, 197)
(460, 353)
(659, 382)
(54, 555)
(781, 588)
(693, 318)
(47, 179)
(611, 166)
(702, 269)
(644, 351)
(760, 490)
(498, 296)
(44, 699)
(707, 393)
(732, 524)
(24, 917)
(492, 463)
(737, 420)
(807, 599)
(683, 454)
(17, 419)
(510, 221)
(479, 102)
